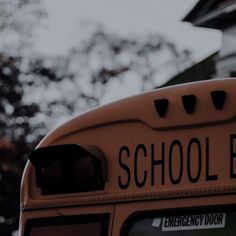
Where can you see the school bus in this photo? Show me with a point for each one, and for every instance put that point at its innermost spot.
(159, 163)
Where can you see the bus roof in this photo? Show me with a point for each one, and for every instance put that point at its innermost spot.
(141, 108)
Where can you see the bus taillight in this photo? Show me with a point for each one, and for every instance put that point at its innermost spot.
(68, 169)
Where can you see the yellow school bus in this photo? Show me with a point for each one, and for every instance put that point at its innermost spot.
(161, 163)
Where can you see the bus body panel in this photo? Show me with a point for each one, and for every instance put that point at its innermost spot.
(60, 213)
(185, 158)
(187, 161)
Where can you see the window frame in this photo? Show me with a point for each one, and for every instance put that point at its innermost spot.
(139, 215)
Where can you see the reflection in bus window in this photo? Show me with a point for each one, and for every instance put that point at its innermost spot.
(215, 224)
(68, 230)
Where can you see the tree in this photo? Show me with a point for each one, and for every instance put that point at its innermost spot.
(18, 136)
(37, 93)
(14, 143)
(103, 67)
(17, 23)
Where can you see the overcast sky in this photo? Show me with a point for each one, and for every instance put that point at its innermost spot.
(64, 24)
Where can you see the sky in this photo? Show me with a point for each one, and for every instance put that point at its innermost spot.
(67, 19)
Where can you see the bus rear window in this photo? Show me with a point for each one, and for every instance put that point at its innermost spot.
(96, 225)
(202, 224)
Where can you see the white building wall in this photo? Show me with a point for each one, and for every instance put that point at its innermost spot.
(226, 63)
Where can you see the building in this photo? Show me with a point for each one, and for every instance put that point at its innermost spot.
(215, 14)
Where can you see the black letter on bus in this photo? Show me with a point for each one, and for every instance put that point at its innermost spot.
(124, 167)
(191, 178)
(178, 145)
(232, 156)
(160, 162)
(208, 176)
(138, 183)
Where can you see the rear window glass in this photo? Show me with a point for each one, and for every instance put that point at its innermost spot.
(88, 225)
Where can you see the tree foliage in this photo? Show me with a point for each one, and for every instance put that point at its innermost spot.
(17, 23)
(103, 67)
(38, 93)
(14, 145)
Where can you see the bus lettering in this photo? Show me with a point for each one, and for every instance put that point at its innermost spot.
(139, 150)
(209, 176)
(125, 150)
(158, 162)
(192, 161)
(232, 156)
(177, 146)
(194, 142)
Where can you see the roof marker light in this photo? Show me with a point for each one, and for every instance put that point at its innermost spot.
(189, 102)
(218, 98)
(161, 106)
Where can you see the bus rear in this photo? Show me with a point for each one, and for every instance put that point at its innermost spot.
(159, 163)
